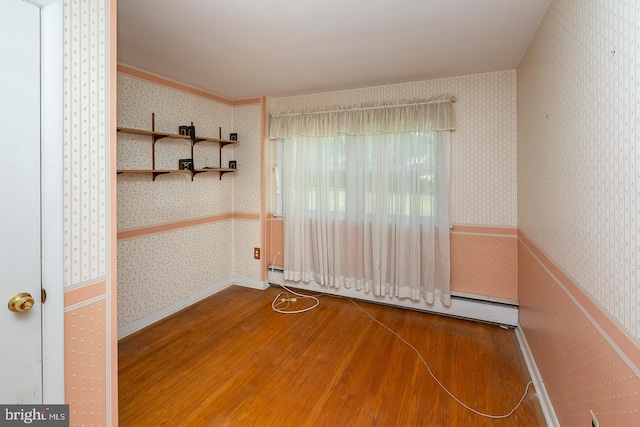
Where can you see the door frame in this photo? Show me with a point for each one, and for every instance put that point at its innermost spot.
(52, 197)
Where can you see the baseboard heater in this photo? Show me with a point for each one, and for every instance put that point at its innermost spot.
(462, 307)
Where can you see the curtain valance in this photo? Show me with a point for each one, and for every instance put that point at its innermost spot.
(431, 114)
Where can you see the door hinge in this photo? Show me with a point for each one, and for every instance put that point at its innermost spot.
(43, 296)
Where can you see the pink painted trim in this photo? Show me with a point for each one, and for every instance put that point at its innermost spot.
(153, 78)
(111, 304)
(84, 293)
(272, 217)
(170, 83)
(263, 223)
(161, 228)
(249, 101)
(250, 216)
(138, 232)
(477, 229)
(625, 343)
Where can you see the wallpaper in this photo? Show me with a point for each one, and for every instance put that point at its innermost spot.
(580, 369)
(247, 185)
(157, 270)
(484, 265)
(579, 164)
(578, 206)
(85, 140)
(170, 198)
(85, 365)
(88, 341)
(483, 172)
(247, 190)
(172, 107)
(174, 197)
(483, 155)
(246, 236)
(164, 268)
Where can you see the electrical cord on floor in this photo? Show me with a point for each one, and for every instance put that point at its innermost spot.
(424, 362)
(283, 297)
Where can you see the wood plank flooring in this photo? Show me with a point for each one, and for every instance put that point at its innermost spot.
(231, 361)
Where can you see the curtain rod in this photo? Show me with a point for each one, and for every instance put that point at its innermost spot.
(375, 107)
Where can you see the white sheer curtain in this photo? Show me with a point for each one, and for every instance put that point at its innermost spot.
(366, 201)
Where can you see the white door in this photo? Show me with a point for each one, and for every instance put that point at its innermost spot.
(20, 224)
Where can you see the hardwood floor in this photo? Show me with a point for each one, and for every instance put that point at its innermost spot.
(231, 361)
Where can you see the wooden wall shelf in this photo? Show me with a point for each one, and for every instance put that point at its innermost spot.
(152, 133)
(157, 172)
(156, 136)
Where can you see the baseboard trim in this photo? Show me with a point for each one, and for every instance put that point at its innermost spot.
(483, 298)
(460, 307)
(154, 317)
(248, 283)
(541, 391)
(484, 311)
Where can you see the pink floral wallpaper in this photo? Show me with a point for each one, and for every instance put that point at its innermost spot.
(164, 268)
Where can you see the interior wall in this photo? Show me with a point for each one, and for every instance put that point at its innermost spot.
(179, 238)
(483, 177)
(247, 192)
(578, 204)
(88, 338)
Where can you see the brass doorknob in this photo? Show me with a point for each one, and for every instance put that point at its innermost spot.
(21, 302)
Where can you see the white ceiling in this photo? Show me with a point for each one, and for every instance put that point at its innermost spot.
(248, 48)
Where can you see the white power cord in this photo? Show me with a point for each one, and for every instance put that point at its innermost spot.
(424, 362)
(283, 297)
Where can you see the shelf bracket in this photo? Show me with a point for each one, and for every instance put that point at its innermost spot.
(194, 173)
(223, 172)
(155, 174)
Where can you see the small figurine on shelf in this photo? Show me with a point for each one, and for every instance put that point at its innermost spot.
(189, 131)
(233, 137)
(185, 164)
(232, 164)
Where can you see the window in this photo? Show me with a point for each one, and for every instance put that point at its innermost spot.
(365, 197)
